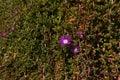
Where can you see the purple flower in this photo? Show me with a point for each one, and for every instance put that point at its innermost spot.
(3, 33)
(65, 40)
(75, 49)
(82, 36)
(80, 33)
(16, 11)
(12, 28)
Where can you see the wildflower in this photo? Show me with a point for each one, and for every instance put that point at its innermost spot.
(12, 28)
(3, 33)
(65, 40)
(80, 33)
(16, 11)
(75, 49)
(81, 36)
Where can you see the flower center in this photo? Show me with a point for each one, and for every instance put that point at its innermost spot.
(75, 50)
(65, 41)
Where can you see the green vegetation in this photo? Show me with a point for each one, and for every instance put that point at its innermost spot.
(30, 49)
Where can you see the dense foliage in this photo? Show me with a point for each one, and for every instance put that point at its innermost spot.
(31, 30)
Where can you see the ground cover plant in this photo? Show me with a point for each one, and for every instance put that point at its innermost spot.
(59, 39)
